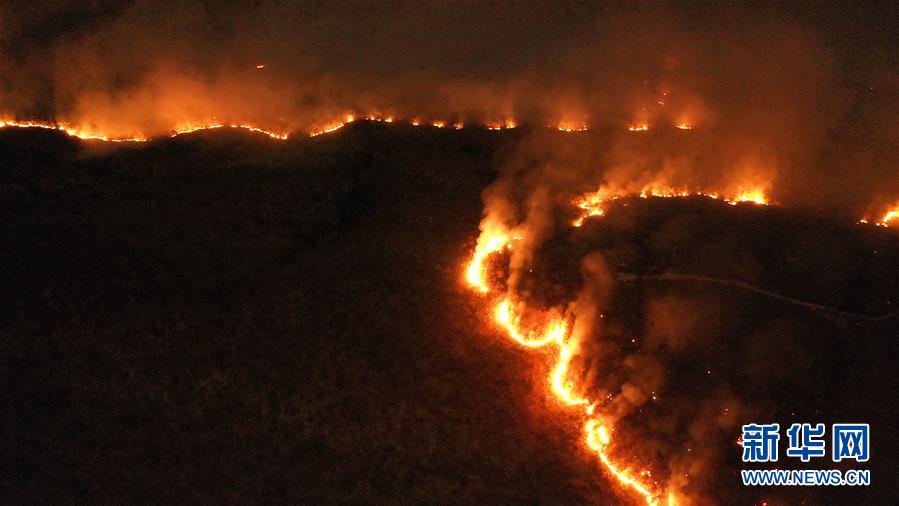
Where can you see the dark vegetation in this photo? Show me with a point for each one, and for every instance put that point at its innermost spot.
(223, 318)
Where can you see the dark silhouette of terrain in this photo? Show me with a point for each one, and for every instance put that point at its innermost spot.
(220, 317)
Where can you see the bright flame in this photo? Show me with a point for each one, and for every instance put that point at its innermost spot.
(683, 125)
(324, 128)
(755, 196)
(70, 130)
(561, 385)
(642, 127)
(594, 203)
(499, 125)
(509, 316)
(598, 439)
(182, 130)
(488, 244)
(890, 216)
(571, 126)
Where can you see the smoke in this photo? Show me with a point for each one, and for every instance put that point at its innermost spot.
(798, 101)
(771, 104)
(779, 93)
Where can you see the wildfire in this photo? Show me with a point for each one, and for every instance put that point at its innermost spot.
(570, 126)
(324, 128)
(70, 130)
(522, 324)
(331, 127)
(214, 126)
(593, 204)
(509, 316)
(500, 125)
(754, 196)
(891, 215)
(85, 134)
(683, 126)
(489, 243)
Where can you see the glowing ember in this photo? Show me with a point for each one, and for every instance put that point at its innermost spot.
(642, 127)
(683, 126)
(260, 66)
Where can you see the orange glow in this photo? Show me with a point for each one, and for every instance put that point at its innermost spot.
(260, 66)
(186, 129)
(510, 319)
(891, 216)
(500, 125)
(488, 244)
(593, 204)
(598, 439)
(755, 196)
(561, 385)
(571, 126)
(323, 128)
(70, 130)
(683, 125)
(509, 316)
(331, 127)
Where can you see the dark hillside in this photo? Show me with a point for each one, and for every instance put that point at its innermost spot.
(222, 318)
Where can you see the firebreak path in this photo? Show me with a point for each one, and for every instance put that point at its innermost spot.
(671, 276)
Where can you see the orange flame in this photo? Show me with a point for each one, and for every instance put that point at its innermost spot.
(571, 126)
(488, 243)
(509, 316)
(500, 125)
(891, 215)
(324, 128)
(593, 203)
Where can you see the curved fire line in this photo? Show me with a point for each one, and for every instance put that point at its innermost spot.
(508, 315)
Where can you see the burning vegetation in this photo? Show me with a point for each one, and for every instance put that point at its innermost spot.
(619, 168)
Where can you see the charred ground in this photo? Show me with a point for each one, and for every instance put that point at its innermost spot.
(223, 317)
